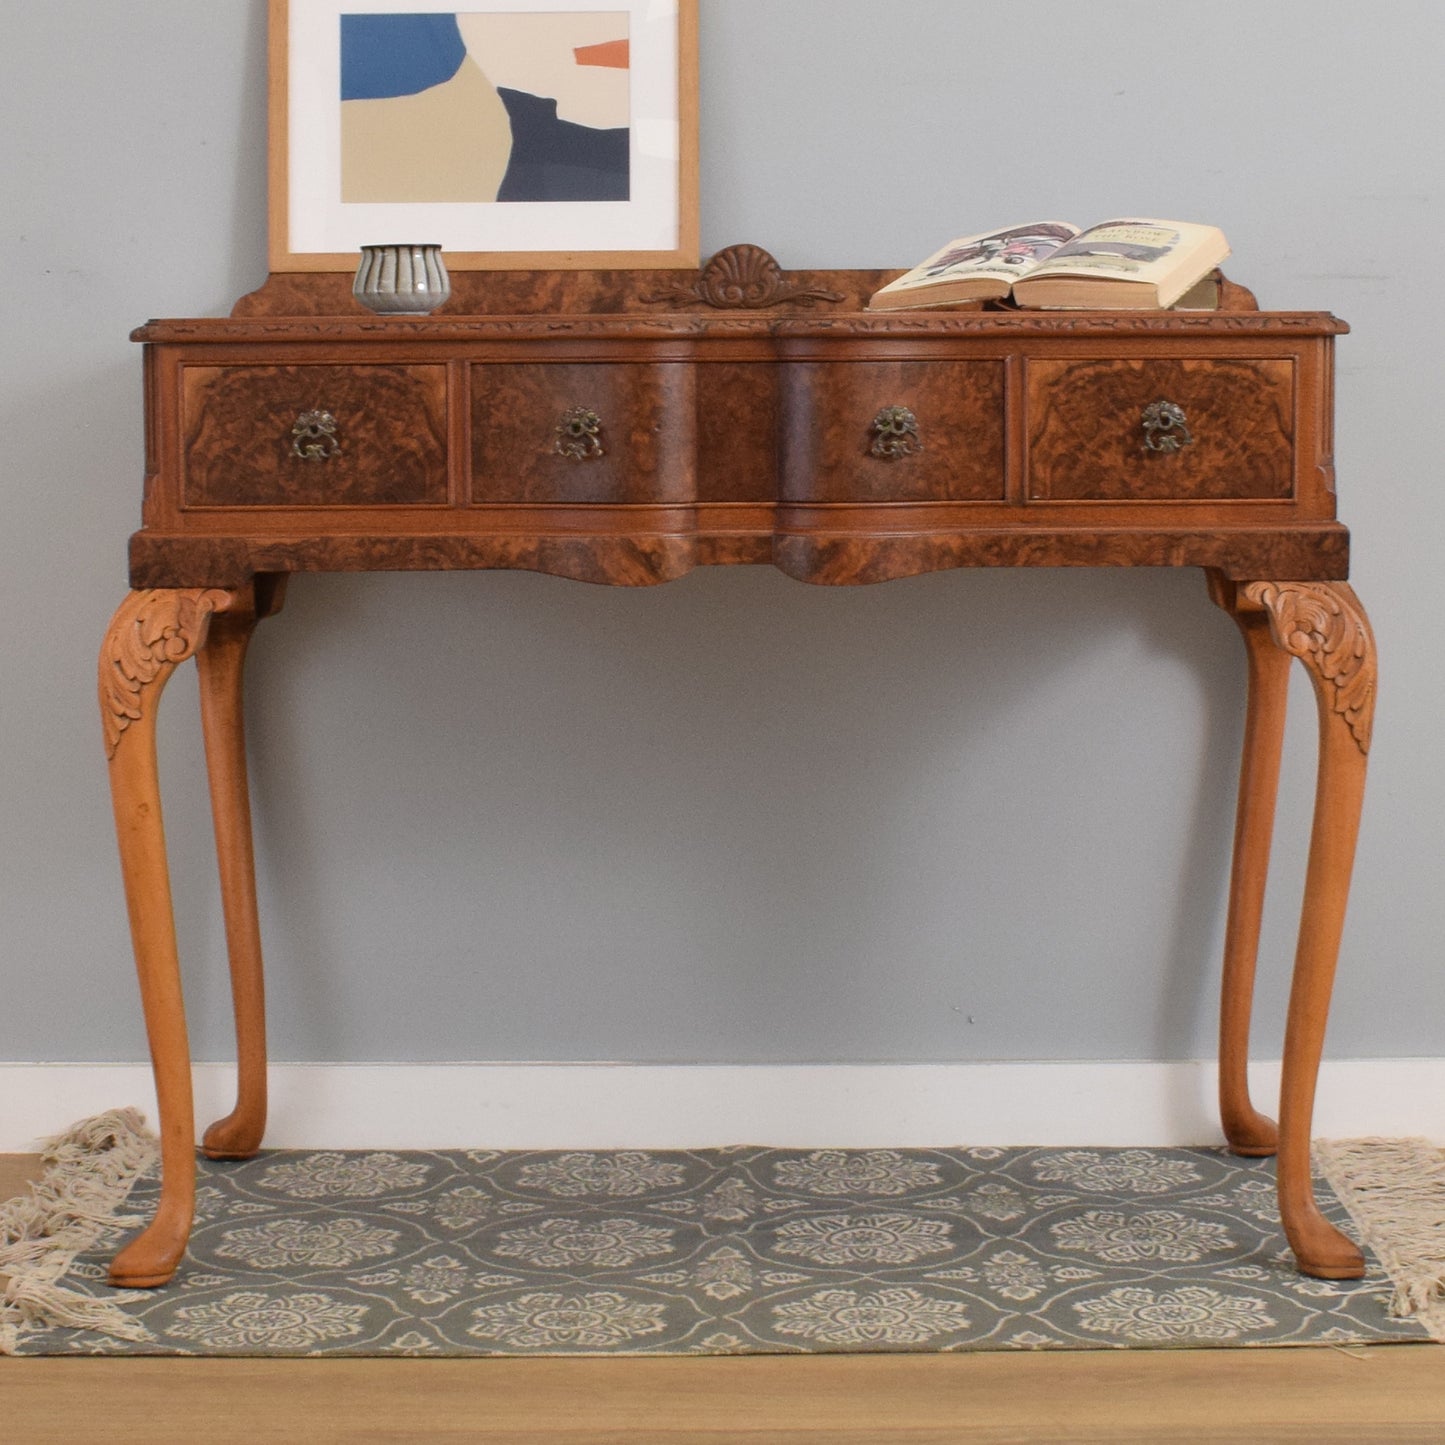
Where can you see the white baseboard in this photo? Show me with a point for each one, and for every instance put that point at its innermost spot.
(648, 1106)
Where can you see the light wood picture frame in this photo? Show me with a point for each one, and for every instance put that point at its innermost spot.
(575, 191)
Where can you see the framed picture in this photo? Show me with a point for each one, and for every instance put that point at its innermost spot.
(516, 134)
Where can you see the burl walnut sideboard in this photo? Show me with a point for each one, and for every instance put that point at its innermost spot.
(623, 427)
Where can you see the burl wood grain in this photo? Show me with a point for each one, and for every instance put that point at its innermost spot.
(391, 426)
(739, 418)
(737, 407)
(753, 283)
(637, 560)
(1086, 439)
(739, 278)
(836, 561)
(828, 434)
(618, 561)
(645, 438)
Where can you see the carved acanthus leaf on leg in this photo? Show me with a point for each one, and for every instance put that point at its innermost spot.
(152, 630)
(1324, 624)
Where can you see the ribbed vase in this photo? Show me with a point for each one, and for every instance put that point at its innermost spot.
(402, 280)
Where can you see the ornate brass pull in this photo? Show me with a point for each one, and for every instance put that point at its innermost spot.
(314, 437)
(579, 434)
(1165, 428)
(895, 434)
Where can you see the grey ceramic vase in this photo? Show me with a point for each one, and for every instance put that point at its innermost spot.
(402, 280)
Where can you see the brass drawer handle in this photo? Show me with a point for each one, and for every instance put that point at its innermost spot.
(579, 434)
(314, 437)
(1165, 427)
(895, 434)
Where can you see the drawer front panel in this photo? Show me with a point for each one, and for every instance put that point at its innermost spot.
(1232, 440)
(618, 432)
(895, 431)
(314, 436)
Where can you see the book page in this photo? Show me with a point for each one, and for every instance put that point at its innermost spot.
(1010, 253)
(1126, 250)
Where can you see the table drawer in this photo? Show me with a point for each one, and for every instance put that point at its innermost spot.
(899, 431)
(314, 436)
(1161, 429)
(618, 432)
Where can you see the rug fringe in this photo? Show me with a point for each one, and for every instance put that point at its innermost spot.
(92, 1168)
(1394, 1190)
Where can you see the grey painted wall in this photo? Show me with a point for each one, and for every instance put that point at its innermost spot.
(970, 816)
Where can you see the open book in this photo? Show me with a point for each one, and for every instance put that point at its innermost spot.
(1128, 264)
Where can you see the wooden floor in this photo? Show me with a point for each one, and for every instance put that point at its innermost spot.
(1223, 1397)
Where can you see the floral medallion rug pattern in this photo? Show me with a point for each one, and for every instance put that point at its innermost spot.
(721, 1251)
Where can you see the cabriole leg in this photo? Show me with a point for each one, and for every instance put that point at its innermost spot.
(1249, 1132)
(150, 635)
(1324, 625)
(221, 665)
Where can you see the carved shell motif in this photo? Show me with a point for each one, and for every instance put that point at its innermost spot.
(741, 278)
(1324, 624)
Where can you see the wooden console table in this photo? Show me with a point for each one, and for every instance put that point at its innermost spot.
(624, 427)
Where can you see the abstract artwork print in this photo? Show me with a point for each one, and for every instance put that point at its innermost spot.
(501, 106)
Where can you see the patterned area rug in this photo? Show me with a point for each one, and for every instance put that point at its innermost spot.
(720, 1251)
